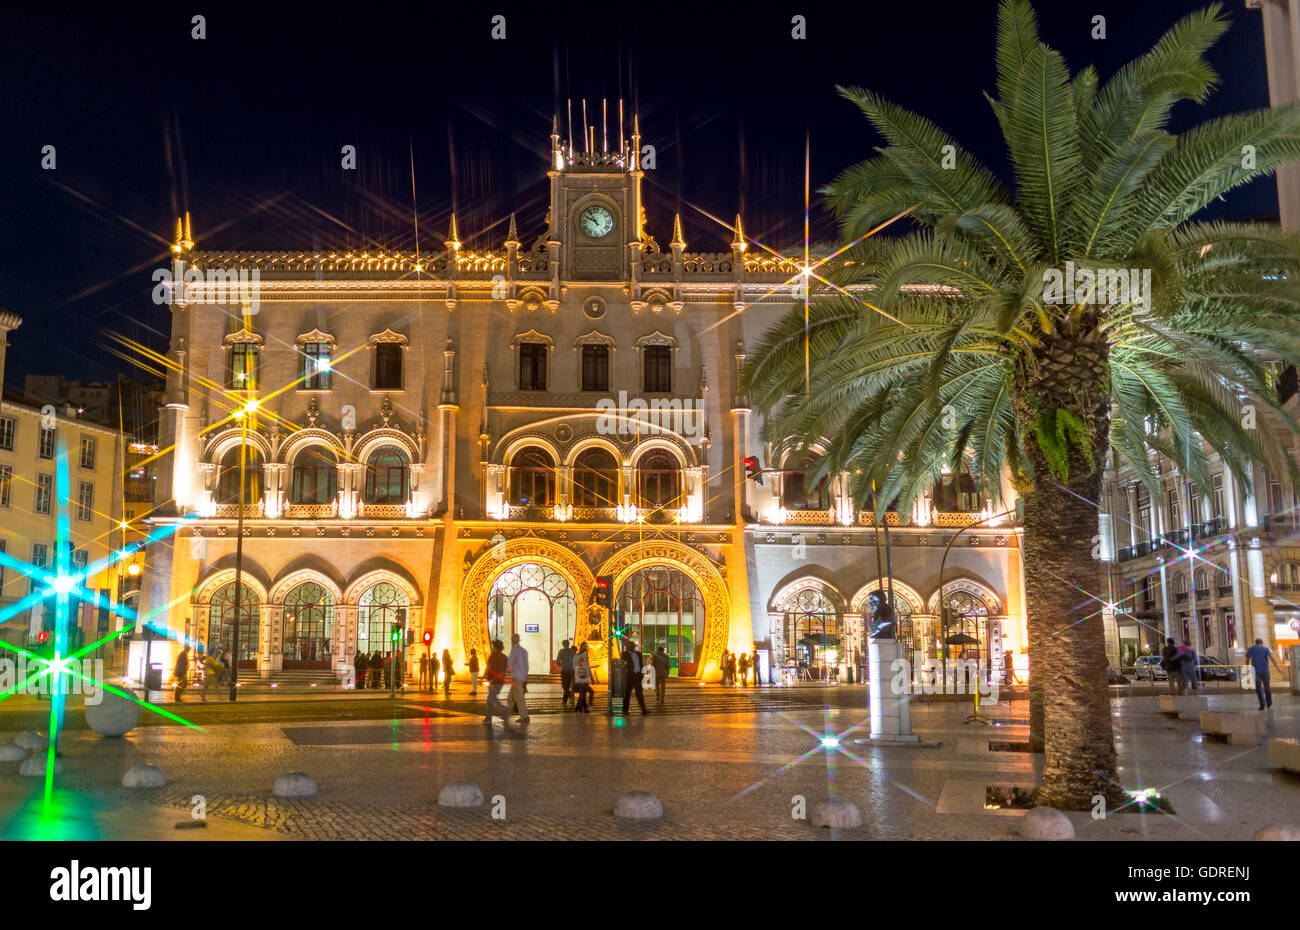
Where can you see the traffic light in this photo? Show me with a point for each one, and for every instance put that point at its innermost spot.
(410, 637)
(603, 594)
(428, 637)
(753, 469)
(41, 637)
(397, 634)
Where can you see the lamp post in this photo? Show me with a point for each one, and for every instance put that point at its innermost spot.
(245, 412)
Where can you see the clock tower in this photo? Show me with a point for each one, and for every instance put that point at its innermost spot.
(595, 215)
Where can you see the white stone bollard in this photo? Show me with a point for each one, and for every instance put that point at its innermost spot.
(33, 741)
(12, 752)
(837, 812)
(142, 775)
(35, 765)
(638, 805)
(294, 785)
(1278, 831)
(460, 794)
(113, 716)
(1046, 823)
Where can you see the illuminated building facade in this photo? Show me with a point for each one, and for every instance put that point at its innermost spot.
(465, 439)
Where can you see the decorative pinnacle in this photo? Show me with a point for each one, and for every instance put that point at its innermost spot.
(739, 241)
(512, 237)
(678, 242)
(453, 237)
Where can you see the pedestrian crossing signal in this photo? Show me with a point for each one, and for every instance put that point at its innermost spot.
(42, 636)
(753, 469)
(428, 637)
(603, 594)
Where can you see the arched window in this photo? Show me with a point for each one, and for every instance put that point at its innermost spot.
(228, 479)
(221, 623)
(532, 477)
(308, 626)
(662, 606)
(798, 493)
(1180, 585)
(659, 480)
(537, 603)
(380, 608)
(595, 479)
(388, 476)
(812, 632)
(956, 494)
(314, 476)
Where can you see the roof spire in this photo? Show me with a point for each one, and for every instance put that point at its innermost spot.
(678, 242)
(512, 236)
(739, 241)
(453, 237)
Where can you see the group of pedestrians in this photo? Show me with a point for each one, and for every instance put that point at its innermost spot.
(1180, 663)
(210, 673)
(376, 670)
(729, 665)
(429, 671)
(499, 666)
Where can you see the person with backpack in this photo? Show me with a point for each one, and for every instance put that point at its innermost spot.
(1187, 661)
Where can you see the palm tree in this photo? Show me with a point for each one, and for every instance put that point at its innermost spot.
(974, 352)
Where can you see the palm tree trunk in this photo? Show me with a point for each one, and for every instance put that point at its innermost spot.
(1067, 646)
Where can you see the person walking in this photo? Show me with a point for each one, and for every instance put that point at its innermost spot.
(182, 674)
(582, 681)
(1187, 662)
(359, 664)
(753, 666)
(225, 668)
(211, 676)
(744, 670)
(565, 658)
(1169, 662)
(662, 667)
(731, 669)
(497, 667)
(376, 669)
(388, 669)
(1259, 656)
(723, 664)
(633, 663)
(473, 673)
(518, 665)
(447, 672)
(424, 672)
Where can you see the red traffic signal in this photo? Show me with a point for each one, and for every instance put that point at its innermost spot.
(41, 636)
(753, 468)
(603, 594)
(428, 637)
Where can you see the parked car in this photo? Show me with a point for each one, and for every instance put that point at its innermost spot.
(1147, 668)
(1115, 677)
(1212, 669)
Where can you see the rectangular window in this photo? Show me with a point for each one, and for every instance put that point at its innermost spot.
(316, 366)
(595, 368)
(658, 368)
(80, 558)
(40, 558)
(388, 367)
(87, 451)
(45, 448)
(1216, 496)
(532, 366)
(44, 491)
(1175, 511)
(243, 367)
(7, 433)
(85, 500)
(6, 484)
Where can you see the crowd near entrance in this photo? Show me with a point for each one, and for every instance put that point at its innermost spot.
(660, 605)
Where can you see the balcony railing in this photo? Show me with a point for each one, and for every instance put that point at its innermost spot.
(1225, 590)
(1286, 587)
(809, 517)
(231, 511)
(596, 514)
(311, 511)
(383, 511)
(1180, 597)
(868, 518)
(1209, 528)
(1202, 593)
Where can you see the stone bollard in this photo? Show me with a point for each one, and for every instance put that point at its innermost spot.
(12, 752)
(1046, 823)
(638, 805)
(35, 765)
(1278, 831)
(460, 794)
(113, 715)
(33, 741)
(837, 812)
(294, 785)
(141, 775)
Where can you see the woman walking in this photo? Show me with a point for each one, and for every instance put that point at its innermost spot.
(582, 681)
(447, 672)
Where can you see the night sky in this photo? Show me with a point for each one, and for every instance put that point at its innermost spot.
(244, 129)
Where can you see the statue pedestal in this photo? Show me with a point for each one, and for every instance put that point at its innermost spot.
(891, 720)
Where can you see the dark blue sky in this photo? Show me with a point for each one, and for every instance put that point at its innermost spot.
(244, 128)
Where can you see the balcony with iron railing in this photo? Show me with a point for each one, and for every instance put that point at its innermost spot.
(1180, 597)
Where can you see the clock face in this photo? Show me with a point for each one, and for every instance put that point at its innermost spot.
(596, 222)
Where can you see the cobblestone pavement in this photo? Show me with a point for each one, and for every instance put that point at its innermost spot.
(720, 776)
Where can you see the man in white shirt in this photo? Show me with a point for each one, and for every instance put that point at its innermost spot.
(518, 666)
